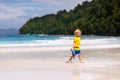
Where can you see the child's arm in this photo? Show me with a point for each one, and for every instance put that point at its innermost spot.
(73, 44)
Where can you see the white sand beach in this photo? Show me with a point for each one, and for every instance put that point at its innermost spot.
(100, 64)
(23, 69)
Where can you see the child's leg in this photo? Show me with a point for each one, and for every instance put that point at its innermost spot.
(80, 58)
(70, 60)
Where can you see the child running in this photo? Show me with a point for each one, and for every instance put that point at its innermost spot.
(76, 46)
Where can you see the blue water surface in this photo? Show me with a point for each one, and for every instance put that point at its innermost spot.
(25, 38)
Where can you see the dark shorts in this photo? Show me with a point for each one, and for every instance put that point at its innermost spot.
(77, 52)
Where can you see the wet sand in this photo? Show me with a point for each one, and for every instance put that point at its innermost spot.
(100, 64)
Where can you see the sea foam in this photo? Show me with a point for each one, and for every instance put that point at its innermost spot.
(59, 43)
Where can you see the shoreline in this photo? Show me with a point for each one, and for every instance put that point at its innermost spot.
(53, 48)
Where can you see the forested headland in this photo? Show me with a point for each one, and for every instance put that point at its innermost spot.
(98, 17)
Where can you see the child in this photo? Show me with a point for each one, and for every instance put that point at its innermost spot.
(76, 46)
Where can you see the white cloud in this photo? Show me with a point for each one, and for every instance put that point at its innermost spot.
(30, 8)
(60, 2)
(7, 12)
(53, 2)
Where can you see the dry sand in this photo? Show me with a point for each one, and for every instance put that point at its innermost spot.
(100, 64)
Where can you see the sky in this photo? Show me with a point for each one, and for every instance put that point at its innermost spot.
(15, 13)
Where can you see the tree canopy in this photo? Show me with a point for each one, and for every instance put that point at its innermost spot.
(98, 17)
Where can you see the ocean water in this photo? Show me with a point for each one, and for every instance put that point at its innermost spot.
(38, 42)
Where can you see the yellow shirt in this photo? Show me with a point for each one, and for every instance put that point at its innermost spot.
(77, 41)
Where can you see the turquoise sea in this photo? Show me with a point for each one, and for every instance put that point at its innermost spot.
(39, 41)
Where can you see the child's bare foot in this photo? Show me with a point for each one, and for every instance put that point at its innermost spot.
(81, 61)
(69, 61)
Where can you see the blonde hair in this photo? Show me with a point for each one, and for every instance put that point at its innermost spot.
(77, 31)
